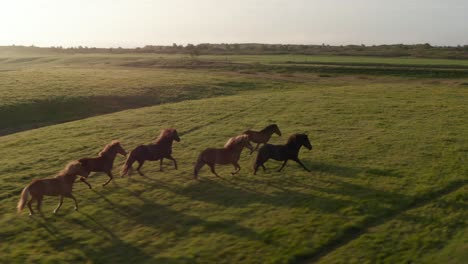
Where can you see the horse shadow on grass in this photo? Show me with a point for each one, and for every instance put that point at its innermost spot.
(167, 219)
(118, 251)
(239, 193)
(293, 191)
(345, 171)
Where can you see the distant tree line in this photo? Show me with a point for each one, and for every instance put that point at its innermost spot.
(395, 50)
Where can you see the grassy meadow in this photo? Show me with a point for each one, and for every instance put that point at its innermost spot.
(388, 165)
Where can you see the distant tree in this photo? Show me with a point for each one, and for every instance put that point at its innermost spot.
(192, 50)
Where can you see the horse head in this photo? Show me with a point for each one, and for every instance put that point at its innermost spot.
(119, 149)
(74, 168)
(276, 130)
(241, 140)
(305, 141)
(113, 148)
(246, 142)
(175, 135)
(168, 134)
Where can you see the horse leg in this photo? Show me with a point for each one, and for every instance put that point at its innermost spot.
(85, 182)
(256, 147)
(39, 203)
(237, 167)
(59, 205)
(264, 168)
(212, 167)
(109, 173)
(161, 164)
(140, 163)
(69, 195)
(171, 158)
(256, 165)
(282, 166)
(197, 168)
(31, 212)
(300, 163)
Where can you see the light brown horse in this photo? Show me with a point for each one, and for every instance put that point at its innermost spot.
(230, 154)
(262, 136)
(104, 162)
(61, 185)
(160, 149)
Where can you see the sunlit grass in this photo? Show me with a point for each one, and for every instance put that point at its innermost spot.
(381, 150)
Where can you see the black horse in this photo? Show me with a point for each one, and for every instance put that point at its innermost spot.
(284, 153)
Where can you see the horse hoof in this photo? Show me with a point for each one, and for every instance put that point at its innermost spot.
(30, 215)
(76, 208)
(55, 211)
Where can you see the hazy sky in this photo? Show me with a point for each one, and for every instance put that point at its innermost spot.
(130, 23)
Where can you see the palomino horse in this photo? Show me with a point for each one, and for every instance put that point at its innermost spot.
(230, 154)
(104, 162)
(262, 136)
(284, 153)
(61, 185)
(160, 149)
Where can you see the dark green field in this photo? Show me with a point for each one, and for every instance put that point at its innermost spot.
(388, 168)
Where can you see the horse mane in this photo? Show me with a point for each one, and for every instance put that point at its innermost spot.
(165, 133)
(108, 147)
(269, 127)
(294, 138)
(72, 168)
(236, 140)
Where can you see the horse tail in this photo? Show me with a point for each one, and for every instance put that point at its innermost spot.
(198, 165)
(23, 198)
(129, 162)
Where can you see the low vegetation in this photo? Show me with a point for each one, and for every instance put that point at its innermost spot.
(41, 87)
(388, 180)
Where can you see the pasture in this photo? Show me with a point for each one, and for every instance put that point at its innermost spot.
(388, 165)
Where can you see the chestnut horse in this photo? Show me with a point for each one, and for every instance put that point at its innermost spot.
(61, 185)
(104, 162)
(262, 136)
(230, 154)
(160, 149)
(284, 153)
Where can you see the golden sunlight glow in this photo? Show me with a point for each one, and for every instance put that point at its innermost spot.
(130, 23)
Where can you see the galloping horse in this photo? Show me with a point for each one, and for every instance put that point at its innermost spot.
(284, 153)
(262, 136)
(61, 185)
(230, 154)
(160, 149)
(104, 162)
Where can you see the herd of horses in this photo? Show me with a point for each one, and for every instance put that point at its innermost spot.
(62, 184)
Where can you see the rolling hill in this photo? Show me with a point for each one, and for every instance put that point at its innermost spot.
(388, 181)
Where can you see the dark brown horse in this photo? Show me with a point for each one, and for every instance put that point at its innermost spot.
(284, 153)
(160, 149)
(230, 154)
(61, 185)
(104, 162)
(262, 136)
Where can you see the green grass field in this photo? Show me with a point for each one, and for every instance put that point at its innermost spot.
(38, 89)
(388, 181)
